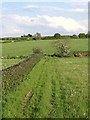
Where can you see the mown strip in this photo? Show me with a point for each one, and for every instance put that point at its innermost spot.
(15, 74)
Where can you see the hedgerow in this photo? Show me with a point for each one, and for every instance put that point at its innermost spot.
(15, 74)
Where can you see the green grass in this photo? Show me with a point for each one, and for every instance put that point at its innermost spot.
(9, 62)
(79, 44)
(60, 90)
(25, 47)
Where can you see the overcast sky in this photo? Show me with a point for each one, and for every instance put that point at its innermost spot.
(20, 18)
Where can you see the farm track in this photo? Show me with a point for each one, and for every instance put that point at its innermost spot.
(58, 93)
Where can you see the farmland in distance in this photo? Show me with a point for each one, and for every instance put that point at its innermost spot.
(25, 47)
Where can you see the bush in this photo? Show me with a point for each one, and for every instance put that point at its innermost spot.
(37, 50)
(62, 48)
(3, 39)
(23, 38)
(75, 36)
(66, 37)
(34, 38)
(48, 38)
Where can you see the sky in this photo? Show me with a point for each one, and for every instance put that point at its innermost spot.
(47, 18)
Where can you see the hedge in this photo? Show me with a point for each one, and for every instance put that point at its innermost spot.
(15, 74)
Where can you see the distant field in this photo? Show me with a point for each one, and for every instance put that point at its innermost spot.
(25, 47)
(60, 87)
(9, 62)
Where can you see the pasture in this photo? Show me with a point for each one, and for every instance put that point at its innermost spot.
(25, 47)
(9, 62)
(59, 85)
(60, 90)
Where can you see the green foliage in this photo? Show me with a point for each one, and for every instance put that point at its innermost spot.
(81, 35)
(62, 48)
(16, 74)
(3, 39)
(34, 38)
(37, 50)
(57, 35)
(75, 36)
(87, 35)
(66, 37)
(37, 36)
(7, 38)
(29, 35)
(48, 38)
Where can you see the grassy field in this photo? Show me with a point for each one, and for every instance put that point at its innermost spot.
(60, 90)
(9, 62)
(25, 48)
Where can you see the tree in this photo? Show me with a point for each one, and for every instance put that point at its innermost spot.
(57, 35)
(37, 36)
(75, 36)
(87, 35)
(29, 35)
(24, 35)
(81, 35)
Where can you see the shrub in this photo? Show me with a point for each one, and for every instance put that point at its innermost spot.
(14, 75)
(75, 36)
(48, 38)
(62, 48)
(66, 37)
(34, 38)
(3, 38)
(13, 38)
(37, 50)
(7, 38)
(22, 38)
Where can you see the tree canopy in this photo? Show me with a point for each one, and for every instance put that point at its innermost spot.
(57, 35)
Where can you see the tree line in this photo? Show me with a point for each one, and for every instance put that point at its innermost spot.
(56, 36)
(38, 36)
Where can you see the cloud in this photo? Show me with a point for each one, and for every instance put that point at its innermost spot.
(14, 31)
(68, 24)
(52, 8)
(31, 6)
(45, 1)
(16, 24)
(4, 8)
(78, 10)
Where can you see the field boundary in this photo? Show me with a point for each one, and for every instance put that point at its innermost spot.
(13, 57)
(74, 54)
(15, 74)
